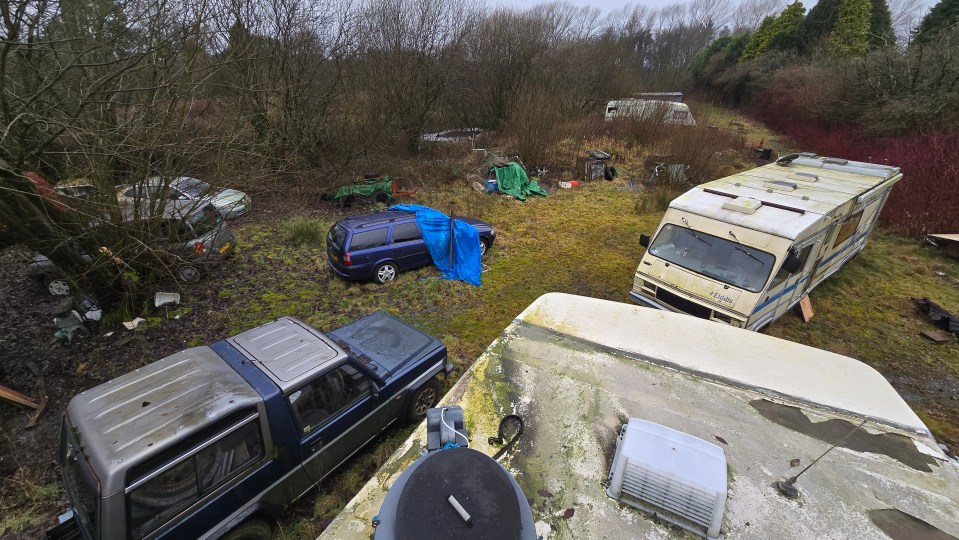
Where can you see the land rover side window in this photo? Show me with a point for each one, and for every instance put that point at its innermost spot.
(369, 239)
(783, 275)
(326, 396)
(78, 481)
(163, 486)
(405, 232)
(724, 260)
(222, 459)
(847, 229)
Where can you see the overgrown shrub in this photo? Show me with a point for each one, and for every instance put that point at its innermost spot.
(304, 230)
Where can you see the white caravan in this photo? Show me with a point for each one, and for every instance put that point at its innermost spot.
(745, 249)
(670, 112)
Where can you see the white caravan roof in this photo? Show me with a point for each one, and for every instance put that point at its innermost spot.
(575, 369)
(794, 196)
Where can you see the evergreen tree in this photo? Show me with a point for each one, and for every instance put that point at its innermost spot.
(818, 24)
(757, 45)
(776, 32)
(850, 35)
(699, 61)
(943, 15)
(787, 27)
(880, 25)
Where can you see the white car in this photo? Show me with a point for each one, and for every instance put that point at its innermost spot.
(229, 202)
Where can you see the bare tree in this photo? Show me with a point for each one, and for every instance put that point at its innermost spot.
(906, 15)
(747, 16)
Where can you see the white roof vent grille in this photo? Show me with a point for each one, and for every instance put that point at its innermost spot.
(671, 474)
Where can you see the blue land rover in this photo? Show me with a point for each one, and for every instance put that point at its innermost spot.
(217, 441)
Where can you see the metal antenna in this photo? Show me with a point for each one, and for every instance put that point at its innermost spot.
(787, 487)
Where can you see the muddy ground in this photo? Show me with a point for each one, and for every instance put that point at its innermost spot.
(28, 455)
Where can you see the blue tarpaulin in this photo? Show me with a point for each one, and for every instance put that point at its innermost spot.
(435, 227)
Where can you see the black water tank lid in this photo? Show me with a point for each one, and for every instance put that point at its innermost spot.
(480, 485)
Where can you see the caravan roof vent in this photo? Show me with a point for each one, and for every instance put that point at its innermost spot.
(804, 177)
(743, 205)
(673, 475)
(780, 185)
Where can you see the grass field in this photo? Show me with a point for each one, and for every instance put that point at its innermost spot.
(582, 241)
(586, 241)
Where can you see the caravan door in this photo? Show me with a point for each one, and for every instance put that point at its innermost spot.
(785, 287)
(796, 285)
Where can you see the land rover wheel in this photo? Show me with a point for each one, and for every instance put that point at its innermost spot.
(423, 398)
(385, 272)
(255, 529)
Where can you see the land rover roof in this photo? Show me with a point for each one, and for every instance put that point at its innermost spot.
(142, 412)
(288, 350)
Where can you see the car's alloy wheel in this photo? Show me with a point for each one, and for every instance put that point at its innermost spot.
(483, 248)
(58, 287)
(385, 272)
(189, 273)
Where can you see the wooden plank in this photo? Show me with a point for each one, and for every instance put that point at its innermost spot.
(938, 336)
(806, 306)
(38, 412)
(16, 397)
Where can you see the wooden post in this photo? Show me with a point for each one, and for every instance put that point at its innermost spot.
(452, 214)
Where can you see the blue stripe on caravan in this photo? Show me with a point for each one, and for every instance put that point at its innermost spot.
(848, 245)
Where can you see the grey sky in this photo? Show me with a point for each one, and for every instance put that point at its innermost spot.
(607, 5)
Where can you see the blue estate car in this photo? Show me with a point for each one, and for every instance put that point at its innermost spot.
(380, 245)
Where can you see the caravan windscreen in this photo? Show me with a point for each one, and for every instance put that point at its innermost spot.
(717, 258)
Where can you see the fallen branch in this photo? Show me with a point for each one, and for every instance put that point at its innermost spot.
(17, 397)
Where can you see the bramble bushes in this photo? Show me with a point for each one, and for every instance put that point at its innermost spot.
(925, 201)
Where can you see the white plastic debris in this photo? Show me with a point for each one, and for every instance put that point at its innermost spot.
(130, 325)
(164, 298)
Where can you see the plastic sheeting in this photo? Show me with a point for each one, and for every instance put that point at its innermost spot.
(435, 227)
(512, 179)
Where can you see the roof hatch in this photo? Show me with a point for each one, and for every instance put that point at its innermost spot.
(673, 475)
(744, 205)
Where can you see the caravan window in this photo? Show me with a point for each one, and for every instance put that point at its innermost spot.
(848, 228)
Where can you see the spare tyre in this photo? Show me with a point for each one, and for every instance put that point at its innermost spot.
(609, 172)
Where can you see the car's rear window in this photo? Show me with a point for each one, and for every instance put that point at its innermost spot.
(337, 236)
(404, 232)
(368, 239)
(206, 220)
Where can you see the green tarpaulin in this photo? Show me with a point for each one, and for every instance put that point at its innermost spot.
(512, 179)
(366, 189)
